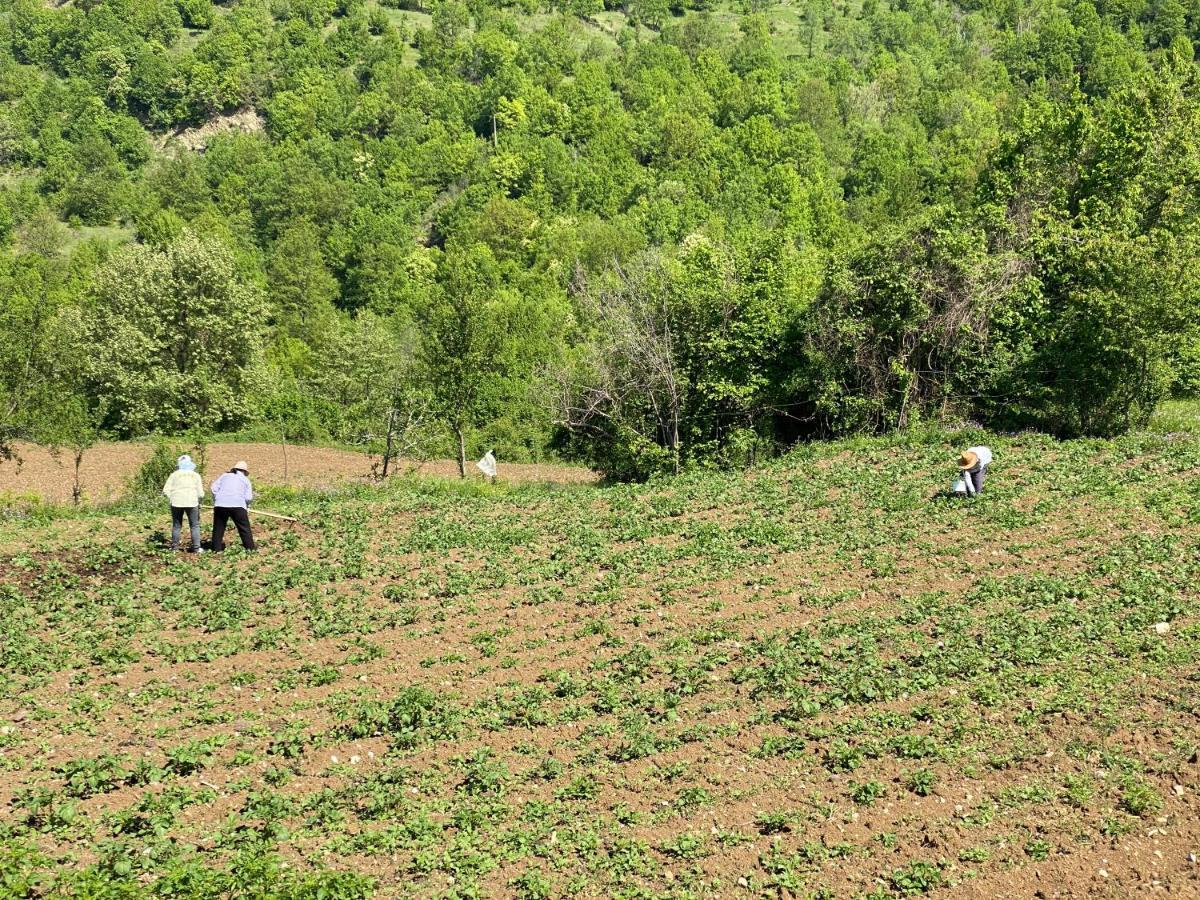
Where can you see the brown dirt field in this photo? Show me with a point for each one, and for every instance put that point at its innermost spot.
(660, 591)
(107, 468)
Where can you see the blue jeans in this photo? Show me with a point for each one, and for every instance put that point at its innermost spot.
(193, 517)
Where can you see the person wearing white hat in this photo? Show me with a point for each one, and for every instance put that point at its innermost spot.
(232, 493)
(973, 465)
(184, 490)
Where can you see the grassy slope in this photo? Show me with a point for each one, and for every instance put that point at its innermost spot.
(1176, 417)
(817, 675)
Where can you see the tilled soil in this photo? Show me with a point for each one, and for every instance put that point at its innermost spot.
(814, 681)
(106, 469)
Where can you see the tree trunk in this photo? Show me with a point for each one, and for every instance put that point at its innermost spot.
(675, 439)
(283, 438)
(76, 487)
(391, 434)
(462, 450)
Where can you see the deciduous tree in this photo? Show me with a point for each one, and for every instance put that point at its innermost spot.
(175, 337)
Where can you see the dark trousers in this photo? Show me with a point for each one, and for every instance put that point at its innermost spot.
(977, 476)
(221, 515)
(193, 516)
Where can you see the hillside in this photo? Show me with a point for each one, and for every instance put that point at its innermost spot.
(640, 235)
(821, 678)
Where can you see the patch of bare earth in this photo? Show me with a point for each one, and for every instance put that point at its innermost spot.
(106, 469)
(197, 138)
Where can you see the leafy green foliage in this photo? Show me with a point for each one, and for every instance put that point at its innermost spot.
(415, 716)
(654, 236)
(153, 473)
(175, 338)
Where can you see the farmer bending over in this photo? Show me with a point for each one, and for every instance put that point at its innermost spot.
(184, 490)
(232, 494)
(973, 464)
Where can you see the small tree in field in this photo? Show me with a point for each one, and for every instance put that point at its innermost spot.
(461, 342)
(54, 411)
(73, 429)
(404, 434)
(365, 384)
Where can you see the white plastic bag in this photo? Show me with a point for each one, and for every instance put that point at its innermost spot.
(960, 485)
(487, 465)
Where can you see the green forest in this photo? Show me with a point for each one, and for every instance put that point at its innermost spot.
(648, 235)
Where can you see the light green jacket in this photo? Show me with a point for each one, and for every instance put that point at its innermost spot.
(184, 488)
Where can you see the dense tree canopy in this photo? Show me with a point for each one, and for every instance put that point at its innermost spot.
(547, 220)
(173, 338)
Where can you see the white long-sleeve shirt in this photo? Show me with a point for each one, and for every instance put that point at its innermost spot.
(184, 489)
(985, 457)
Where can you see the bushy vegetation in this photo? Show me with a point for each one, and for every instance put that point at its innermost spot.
(820, 679)
(650, 234)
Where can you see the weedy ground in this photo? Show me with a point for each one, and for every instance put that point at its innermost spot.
(821, 678)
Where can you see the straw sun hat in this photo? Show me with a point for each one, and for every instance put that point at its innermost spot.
(241, 464)
(968, 460)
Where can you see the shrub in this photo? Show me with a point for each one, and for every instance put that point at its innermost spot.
(147, 483)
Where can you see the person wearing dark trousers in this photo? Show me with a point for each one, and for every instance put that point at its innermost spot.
(232, 494)
(185, 489)
(973, 465)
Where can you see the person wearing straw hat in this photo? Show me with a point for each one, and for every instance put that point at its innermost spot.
(184, 490)
(973, 465)
(232, 494)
